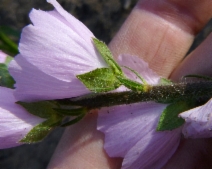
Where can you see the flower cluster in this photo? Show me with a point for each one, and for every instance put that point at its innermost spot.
(54, 50)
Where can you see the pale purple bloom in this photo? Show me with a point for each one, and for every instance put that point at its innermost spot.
(53, 50)
(3, 57)
(130, 130)
(198, 121)
(15, 121)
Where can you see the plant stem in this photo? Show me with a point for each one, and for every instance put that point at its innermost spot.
(159, 93)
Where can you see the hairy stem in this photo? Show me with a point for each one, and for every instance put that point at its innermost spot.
(158, 93)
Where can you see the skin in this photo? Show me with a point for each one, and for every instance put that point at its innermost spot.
(160, 32)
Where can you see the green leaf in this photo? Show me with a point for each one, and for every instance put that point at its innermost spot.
(40, 131)
(130, 84)
(5, 79)
(99, 80)
(164, 81)
(107, 56)
(169, 119)
(11, 46)
(43, 109)
(15, 34)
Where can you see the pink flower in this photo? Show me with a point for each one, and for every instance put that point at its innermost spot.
(53, 50)
(130, 130)
(15, 122)
(198, 121)
(3, 57)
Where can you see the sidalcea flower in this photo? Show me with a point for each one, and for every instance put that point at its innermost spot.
(3, 57)
(130, 130)
(198, 121)
(15, 122)
(53, 50)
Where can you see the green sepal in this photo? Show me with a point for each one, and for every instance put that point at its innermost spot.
(107, 56)
(130, 84)
(164, 81)
(169, 119)
(75, 120)
(137, 74)
(71, 112)
(199, 77)
(99, 80)
(43, 109)
(6, 79)
(40, 131)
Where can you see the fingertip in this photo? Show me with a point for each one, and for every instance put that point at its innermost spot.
(82, 147)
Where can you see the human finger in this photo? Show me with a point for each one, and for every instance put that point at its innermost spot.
(197, 152)
(156, 32)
